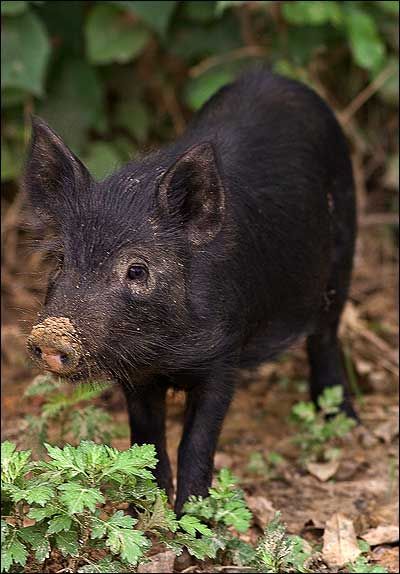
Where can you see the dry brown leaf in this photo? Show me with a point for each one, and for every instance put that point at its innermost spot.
(387, 430)
(340, 541)
(382, 535)
(323, 470)
(162, 562)
(262, 510)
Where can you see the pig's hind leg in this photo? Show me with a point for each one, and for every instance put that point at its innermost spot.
(323, 346)
(327, 366)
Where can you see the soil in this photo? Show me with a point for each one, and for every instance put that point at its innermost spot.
(365, 486)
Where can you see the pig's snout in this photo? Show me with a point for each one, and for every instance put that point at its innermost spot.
(54, 345)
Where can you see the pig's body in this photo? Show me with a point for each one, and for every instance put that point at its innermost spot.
(246, 225)
(289, 227)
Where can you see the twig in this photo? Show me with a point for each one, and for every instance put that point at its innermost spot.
(366, 93)
(246, 51)
(174, 110)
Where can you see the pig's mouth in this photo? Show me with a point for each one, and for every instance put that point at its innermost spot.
(88, 374)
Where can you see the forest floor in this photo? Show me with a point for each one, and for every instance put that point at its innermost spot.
(365, 485)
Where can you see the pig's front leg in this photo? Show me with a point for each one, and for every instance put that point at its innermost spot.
(207, 404)
(147, 410)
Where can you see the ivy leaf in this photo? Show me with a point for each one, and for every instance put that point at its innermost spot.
(25, 52)
(191, 524)
(111, 36)
(67, 543)
(59, 523)
(77, 497)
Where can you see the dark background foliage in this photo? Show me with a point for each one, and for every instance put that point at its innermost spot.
(112, 77)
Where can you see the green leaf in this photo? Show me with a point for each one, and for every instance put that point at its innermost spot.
(13, 8)
(13, 463)
(39, 514)
(101, 160)
(25, 51)
(361, 565)
(366, 45)
(130, 544)
(388, 6)
(191, 524)
(200, 89)
(241, 553)
(331, 399)
(198, 11)
(77, 497)
(74, 105)
(39, 493)
(234, 513)
(111, 36)
(59, 523)
(131, 462)
(192, 42)
(303, 411)
(313, 13)
(223, 5)
(41, 385)
(36, 537)
(134, 116)
(156, 15)
(13, 552)
(8, 164)
(67, 543)
(121, 520)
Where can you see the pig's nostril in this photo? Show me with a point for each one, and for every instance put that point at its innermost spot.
(64, 358)
(37, 351)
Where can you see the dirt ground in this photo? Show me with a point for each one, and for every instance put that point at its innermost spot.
(364, 488)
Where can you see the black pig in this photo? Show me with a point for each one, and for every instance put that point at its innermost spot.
(213, 253)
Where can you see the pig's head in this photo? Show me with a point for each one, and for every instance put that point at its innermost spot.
(118, 300)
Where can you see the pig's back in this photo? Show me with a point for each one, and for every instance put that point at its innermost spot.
(284, 161)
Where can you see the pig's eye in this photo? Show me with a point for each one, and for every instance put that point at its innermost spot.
(137, 273)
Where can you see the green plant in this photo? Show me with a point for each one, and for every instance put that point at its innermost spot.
(318, 431)
(65, 408)
(279, 552)
(266, 467)
(362, 565)
(222, 510)
(72, 499)
(80, 65)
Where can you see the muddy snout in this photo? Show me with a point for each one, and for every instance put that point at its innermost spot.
(55, 346)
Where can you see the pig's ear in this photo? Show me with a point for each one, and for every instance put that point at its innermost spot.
(52, 171)
(192, 192)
